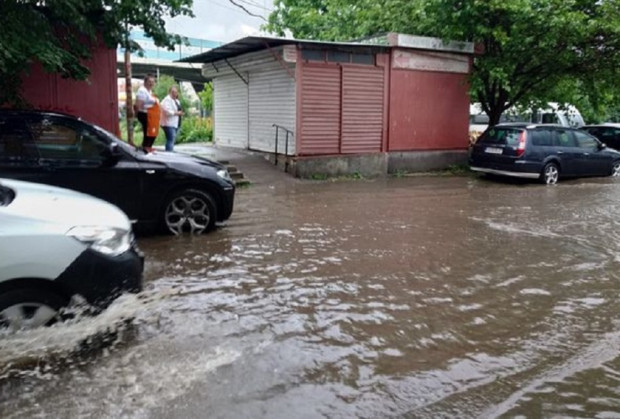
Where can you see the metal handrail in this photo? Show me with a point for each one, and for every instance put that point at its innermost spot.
(288, 132)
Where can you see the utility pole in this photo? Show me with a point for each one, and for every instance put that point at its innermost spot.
(128, 90)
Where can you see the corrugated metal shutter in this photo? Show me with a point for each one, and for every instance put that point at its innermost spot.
(230, 99)
(362, 109)
(320, 124)
(272, 101)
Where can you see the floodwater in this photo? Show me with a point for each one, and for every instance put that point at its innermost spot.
(416, 297)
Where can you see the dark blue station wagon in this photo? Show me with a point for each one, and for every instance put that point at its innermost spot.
(545, 152)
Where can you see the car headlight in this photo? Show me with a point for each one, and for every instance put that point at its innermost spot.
(107, 240)
(223, 173)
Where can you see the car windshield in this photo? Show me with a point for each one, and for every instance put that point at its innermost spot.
(501, 136)
(6, 196)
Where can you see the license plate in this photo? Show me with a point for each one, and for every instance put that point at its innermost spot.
(494, 150)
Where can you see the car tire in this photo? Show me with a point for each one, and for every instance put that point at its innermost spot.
(29, 308)
(550, 174)
(615, 168)
(189, 211)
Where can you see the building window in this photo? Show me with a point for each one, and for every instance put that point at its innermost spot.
(331, 56)
(368, 59)
(313, 55)
(338, 57)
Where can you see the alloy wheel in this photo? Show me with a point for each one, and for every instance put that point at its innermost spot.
(27, 315)
(187, 213)
(551, 174)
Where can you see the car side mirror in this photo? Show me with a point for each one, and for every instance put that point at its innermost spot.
(602, 146)
(112, 154)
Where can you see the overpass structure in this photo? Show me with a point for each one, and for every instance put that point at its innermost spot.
(156, 60)
(182, 72)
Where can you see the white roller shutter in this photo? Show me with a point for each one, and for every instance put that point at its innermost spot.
(272, 101)
(230, 101)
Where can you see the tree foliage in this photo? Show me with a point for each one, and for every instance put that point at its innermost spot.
(534, 50)
(341, 19)
(59, 34)
(206, 97)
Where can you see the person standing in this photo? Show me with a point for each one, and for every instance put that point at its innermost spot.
(148, 111)
(171, 116)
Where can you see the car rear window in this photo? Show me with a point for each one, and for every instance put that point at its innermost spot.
(501, 136)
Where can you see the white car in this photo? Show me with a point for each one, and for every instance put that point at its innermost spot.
(56, 243)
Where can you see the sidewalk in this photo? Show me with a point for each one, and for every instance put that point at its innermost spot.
(254, 166)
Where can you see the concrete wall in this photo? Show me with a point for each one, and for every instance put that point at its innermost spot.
(370, 165)
(367, 165)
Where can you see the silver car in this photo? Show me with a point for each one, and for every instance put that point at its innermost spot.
(56, 243)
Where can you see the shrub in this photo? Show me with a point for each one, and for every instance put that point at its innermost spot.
(194, 129)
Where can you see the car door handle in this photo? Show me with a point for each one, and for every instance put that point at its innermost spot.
(586, 154)
(150, 172)
(560, 152)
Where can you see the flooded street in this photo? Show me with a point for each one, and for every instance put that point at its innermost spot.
(402, 297)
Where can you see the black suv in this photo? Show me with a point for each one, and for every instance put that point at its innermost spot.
(176, 192)
(545, 152)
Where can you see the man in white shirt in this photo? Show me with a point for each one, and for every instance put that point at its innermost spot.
(171, 111)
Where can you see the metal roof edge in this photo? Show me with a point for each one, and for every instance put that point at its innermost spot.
(256, 43)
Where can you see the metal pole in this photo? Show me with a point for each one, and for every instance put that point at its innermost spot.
(277, 130)
(286, 153)
(128, 90)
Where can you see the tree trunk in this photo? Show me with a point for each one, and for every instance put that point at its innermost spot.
(495, 113)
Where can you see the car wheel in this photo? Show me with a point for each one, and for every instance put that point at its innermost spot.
(615, 169)
(29, 308)
(189, 211)
(550, 174)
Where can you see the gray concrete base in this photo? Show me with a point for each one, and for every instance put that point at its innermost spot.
(375, 164)
(422, 161)
(366, 165)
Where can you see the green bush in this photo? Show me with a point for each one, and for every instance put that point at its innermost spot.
(195, 129)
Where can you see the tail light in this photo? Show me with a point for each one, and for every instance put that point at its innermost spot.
(521, 146)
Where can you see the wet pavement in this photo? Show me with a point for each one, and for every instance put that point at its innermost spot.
(425, 296)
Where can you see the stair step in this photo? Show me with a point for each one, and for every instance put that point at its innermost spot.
(236, 175)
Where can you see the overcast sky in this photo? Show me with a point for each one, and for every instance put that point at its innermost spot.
(220, 20)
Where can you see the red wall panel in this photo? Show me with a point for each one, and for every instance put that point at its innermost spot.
(94, 100)
(428, 110)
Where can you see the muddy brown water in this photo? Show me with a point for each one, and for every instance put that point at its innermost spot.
(402, 297)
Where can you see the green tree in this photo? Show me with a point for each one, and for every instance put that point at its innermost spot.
(206, 97)
(59, 34)
(341, 19)
(531, 47)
